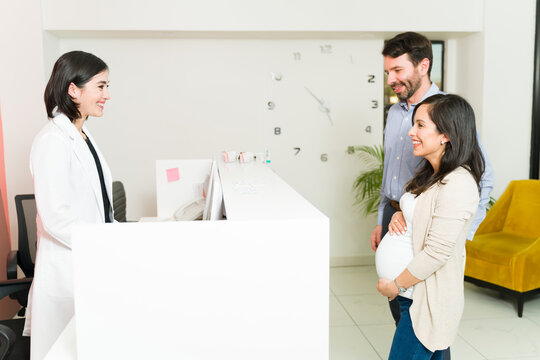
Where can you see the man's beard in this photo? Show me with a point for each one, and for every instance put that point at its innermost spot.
(410, 86)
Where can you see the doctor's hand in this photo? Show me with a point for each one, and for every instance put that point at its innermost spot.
(387, 288)
(397, 224)
(376, 237)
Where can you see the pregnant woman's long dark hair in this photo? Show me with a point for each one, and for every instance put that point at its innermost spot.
(454, 117)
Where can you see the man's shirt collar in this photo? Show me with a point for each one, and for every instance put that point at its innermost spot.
(433, 89)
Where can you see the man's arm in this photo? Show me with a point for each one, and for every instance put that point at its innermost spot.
(377, 232)
(486, 187)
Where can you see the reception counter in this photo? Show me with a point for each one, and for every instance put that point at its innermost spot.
(253, 286)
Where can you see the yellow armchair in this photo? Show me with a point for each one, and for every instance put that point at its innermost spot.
(505, 252)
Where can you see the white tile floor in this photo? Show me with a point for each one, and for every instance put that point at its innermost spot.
(361, 326)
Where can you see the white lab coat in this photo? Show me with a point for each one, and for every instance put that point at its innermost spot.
(68, 192)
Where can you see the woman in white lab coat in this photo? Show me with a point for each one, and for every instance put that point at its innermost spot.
(72, 185)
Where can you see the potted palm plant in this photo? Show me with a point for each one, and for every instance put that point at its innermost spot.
(367, 186)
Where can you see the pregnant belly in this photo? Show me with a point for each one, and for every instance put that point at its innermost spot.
(393, 255)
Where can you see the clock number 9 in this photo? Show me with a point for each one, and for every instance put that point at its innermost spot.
(371, 79)
(374, 104)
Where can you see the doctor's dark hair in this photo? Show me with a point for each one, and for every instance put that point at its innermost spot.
(417, 46)
(454, 117)
(76, 67)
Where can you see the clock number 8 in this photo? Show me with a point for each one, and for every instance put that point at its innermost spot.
(277, 131)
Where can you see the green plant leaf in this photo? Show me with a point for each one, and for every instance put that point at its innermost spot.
(367, 185)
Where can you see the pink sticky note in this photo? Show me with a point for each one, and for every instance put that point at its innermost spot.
(173, 175)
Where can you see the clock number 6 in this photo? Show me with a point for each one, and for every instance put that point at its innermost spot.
(371, 79)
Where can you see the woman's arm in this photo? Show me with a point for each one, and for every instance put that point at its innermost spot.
(50, 167)
(455, 205)
(389, 288)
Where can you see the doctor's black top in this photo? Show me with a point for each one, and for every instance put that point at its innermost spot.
(106, 202)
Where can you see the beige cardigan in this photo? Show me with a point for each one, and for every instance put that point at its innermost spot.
(442, 217)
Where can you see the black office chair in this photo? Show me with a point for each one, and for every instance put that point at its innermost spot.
(119, 201)
(14, 346)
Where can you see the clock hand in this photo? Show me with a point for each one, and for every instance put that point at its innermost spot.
(329, 118)
(322, 105)
(320, 101)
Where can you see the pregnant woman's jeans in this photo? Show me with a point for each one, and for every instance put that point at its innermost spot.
(406, 345)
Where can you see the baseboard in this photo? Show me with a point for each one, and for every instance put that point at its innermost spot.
(361, 260)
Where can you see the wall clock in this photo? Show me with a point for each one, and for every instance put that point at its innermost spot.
(323, 96)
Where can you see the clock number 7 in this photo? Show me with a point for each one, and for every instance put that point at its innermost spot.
(371, 79)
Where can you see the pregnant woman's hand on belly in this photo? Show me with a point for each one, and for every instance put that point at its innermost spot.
(387, 288)
(397, 224)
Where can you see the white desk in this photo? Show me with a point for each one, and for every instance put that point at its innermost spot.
(254, 286)
(253, 191)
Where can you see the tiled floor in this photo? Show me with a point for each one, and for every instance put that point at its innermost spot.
(361, 326)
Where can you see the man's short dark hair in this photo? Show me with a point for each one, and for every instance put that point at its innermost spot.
(417, 46)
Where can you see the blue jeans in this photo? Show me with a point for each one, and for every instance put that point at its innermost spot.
(406, 345)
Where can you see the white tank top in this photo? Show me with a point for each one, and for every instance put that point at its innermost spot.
(395, 252)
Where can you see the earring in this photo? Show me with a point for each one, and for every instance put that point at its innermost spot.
(443, 142)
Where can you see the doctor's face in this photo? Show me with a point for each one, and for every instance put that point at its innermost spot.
(92, 96)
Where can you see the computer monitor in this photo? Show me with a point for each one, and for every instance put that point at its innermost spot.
(214, 209)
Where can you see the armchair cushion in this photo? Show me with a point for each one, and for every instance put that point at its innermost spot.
(506, 248)
(522, 217)
(503, 259)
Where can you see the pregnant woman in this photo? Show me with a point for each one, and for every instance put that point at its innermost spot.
(423, 267)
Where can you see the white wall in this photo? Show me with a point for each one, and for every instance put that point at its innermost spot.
(470, 72)
(21, 93)
(276, 15)
(495, 73)
(507, 88)
(165, 35)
